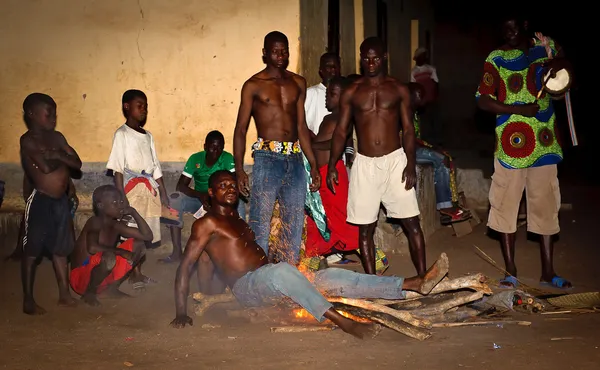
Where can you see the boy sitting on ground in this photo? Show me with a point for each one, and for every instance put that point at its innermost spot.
(98, 263)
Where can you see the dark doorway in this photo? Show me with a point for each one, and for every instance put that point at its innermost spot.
(333, 26)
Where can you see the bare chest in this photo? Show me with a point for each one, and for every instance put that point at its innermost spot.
(376, 99)
(278, 93)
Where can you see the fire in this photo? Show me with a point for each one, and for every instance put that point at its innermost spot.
(301, 313)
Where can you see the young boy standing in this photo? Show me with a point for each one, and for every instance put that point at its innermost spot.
(135, 165)
(97, 263)
(47, 160)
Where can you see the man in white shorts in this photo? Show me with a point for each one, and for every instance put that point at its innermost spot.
(384, 169)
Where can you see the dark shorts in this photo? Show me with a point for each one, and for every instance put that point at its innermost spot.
(47, 226)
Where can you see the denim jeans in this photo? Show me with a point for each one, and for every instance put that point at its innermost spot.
(278, 177)
(185, 204)
(441, 175)
(272, 283)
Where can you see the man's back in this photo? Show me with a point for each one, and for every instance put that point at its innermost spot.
(275, 105)
(376, 110)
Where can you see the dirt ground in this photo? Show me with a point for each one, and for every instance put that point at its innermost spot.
(136, 330)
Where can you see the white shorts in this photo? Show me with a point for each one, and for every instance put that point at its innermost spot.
(379, 180)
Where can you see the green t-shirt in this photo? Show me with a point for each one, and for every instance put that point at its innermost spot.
(196, 168)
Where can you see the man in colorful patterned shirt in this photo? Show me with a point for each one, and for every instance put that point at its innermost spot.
(198, 167)
(527, 146)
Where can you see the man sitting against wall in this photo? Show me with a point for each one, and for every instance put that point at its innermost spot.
(195, 200)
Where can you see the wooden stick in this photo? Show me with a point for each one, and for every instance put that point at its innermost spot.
(301, 329)
(400, 315)
(207, 301)
(474, 282)
(385, 319)
(479, 323)
(441, 307)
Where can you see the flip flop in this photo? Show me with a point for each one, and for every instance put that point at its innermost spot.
(509, 282)
(148, 280)
(457, 216)
(139, 286)
(345, 262)
(557, 282)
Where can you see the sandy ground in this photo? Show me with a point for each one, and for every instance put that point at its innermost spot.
(136, 330)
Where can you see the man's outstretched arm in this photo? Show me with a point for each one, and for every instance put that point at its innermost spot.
(201, 232)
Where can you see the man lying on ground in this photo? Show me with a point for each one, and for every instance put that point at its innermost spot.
(233, 258)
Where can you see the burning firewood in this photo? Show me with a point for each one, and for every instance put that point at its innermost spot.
(301, 329)
(400, 315)
(384, 319)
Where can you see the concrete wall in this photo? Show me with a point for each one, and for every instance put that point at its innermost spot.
(191, 57)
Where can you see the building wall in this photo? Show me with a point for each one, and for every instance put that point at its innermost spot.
(191, 57)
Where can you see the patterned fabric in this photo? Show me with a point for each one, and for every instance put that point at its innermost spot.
(314, 205)
(514, 78)
(281, 147)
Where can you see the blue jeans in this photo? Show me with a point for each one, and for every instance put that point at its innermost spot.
(278, 177)
(184, 204)
(441, 175)
(272, 283)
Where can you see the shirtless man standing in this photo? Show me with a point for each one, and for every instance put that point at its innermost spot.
(379, 104)
(225, 249)
(274, 97)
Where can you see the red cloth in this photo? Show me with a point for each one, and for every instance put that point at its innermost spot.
(139, 180)
(80, 276)
(344, 236)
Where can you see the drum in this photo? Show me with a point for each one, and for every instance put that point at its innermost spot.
(557, 86)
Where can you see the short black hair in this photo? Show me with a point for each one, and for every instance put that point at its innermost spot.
(212, 180)
(329, 56)
(342, 82)
(374, 43)
(33, 101)
(129, 95)
(215, 135)
(36, 99)
(273, 37)
(98, 195)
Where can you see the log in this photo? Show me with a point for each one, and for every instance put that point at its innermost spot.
(473, 282)
(480, 323)
(384, 319)
(441, 307)
(368, 305)
(207, 301)
(301, 329)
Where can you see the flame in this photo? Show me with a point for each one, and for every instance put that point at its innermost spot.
(301, 313)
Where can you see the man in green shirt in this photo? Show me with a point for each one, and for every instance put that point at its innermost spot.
(198, 167)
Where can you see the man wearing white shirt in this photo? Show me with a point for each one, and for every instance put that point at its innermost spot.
(315, 110)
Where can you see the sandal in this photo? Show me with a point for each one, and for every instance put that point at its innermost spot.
(509, 282)
(139, 286)
(168, 260)
(557, 282)
(457, 215)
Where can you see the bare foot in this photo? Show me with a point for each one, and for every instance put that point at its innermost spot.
(90, 299)
(363, 331)
(67, 301)
(31, 308)
(434, 274)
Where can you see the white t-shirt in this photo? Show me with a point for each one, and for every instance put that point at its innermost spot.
(314, 107)
(135, 151)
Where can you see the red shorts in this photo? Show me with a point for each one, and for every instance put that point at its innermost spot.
(344, 236)
(80, 276)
